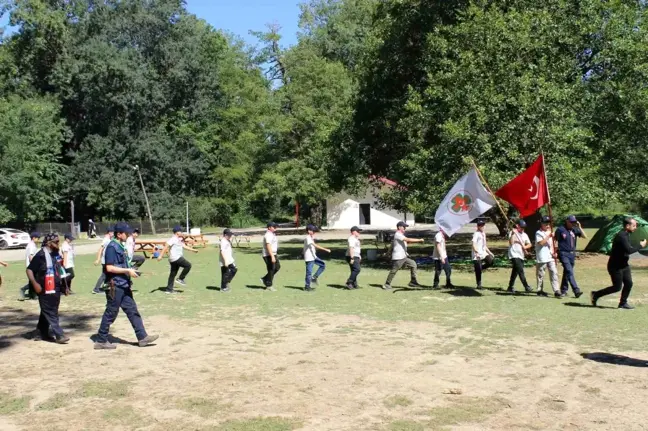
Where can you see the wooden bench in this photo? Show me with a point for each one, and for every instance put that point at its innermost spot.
(149, 246)
(236, 240)
(197, 240)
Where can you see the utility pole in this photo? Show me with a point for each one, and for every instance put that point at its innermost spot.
(72, 213)
(148, 207)
(187, 217)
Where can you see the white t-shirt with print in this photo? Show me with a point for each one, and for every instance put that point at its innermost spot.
(479, 243)
(175, 245)
(104, 244)
(516, 251)
(354, 244)
(226, 251)
(270, 238)
(69, 248)
(30, 252)
(439, 252)
(309, 249)
(399, 246)
(544, 253)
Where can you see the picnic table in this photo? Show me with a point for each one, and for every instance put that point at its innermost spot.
(195, 240)
(149, 245)
(236, 239)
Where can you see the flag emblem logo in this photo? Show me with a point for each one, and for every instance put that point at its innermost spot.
(461, 203)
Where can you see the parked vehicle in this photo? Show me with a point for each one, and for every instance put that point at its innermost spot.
(12, 238)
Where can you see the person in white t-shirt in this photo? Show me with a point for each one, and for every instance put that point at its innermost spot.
(519, 245)
(30, 252)
(269, 252)
(481, 254)
(546, 257)
(226, 260)
(67, 250)
(311, 259)
(176, 246)
(441, 261)
(354, 257)
(101, 257)
(136, 260)
(400, 257)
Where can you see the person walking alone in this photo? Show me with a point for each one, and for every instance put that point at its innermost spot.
(269, 252)
(481, 254)
(176, 245)
(519, 244)
(400, 257)
(354, 257)
(226, 261)
(311, 259)
(546, 258)
(619, 267)
(566, 236)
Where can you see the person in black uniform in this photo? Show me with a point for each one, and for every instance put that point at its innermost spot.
(119, 295)
(618, 266)
(44, 274)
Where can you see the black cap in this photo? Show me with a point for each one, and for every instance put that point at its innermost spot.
(572, 219)
(272, 224)
(545, 219)
(402, 224)
(110, 228)
(35, 235)
(481, 222)
(137, 231)
(50, 237)
(356, 229)
(521, 223)
(227, 232)
(177, 228)
(312, 228)
(122, 227)
(68, 236)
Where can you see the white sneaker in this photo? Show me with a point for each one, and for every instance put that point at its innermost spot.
(181, 282)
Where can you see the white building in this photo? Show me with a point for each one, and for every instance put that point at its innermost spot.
(344, 211)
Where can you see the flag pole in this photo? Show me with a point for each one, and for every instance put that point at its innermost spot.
(481, 177)
(551, 219)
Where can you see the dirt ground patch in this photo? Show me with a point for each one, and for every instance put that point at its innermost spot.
(316, 372)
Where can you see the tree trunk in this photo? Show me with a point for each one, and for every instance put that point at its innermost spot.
(500, 221)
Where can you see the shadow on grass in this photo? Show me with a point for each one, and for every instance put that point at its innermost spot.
(337, 286)
(217, 288)
(614, 359)
(464, 291)
(257, 287)
(522, 293)
(18, 323)
(585, 305)
(294, 287)
(163, 289)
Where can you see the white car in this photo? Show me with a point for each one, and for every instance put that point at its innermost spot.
(10, 238)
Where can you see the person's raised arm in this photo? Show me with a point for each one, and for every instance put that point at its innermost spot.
(186, 247)
(321, 248)
(164, 250)
(413, 240)
(581, 231)
(5, 264)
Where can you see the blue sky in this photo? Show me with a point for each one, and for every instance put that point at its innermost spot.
(240, 16)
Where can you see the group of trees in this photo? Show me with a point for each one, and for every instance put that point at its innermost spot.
(405, 89)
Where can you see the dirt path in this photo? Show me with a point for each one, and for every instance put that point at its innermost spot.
(317, 372)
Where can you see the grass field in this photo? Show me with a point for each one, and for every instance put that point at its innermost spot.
(407, 359)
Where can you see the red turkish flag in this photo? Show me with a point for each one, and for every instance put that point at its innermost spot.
(528, 191)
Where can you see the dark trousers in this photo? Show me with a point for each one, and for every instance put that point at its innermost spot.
(321, 266)
(28, 291)
(123, 299)
(517, 270)
(272, 268)
(137, 261)
(69, 278)
(481, 265)
(620, 277)
(175, 267)
(568, 261)
(102, 278)
(227, 275)
(438, 266)
(355, 270)
(49, 315)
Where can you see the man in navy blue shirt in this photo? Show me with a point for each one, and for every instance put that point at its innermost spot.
(118, 276)
(566, 238)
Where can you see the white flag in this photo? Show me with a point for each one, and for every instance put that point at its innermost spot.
(466, 201)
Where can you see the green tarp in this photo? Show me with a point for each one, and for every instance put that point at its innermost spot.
(601, 242)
